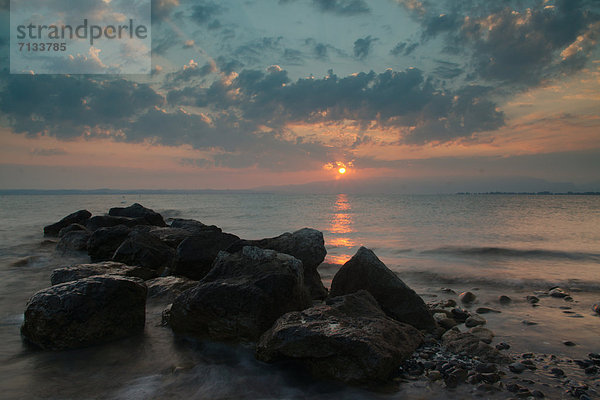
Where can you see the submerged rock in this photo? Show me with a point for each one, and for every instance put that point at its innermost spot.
(136, 210)
(307, 245)
(349, 339)
(475, 320)
(557, 292)
(241, 297)
(71, 228)
(169, 287)
(85, 312)
(195, 255)
(366, 271)
(467, 297)
(78, 217)
(457, 342)
(105, 241)
(145, 250)
(80, 271)
(73, 241)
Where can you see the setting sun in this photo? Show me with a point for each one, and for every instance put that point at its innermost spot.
(342, 170)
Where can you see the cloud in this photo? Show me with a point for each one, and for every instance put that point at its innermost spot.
(404, 48)
(447, 69)
(203, 12)
(161, 9)
(362, 47)
(339, 7)
(48, 152)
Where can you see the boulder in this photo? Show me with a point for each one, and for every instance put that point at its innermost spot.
(138, 211)
(195, 255)
(80, 271)
(307, 245)
(242, 295)
(71, 228)
(172, 237)
(349, 339)
(85, 312)
(105, 241)
(472, 345)
(475, 320)
(145, 250)
(78, 217)
(73, 241)
(467, 297)
(193, 226)
(398, 301)
(107, 221)
(169, 287)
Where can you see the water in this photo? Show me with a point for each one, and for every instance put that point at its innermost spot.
(492, 245)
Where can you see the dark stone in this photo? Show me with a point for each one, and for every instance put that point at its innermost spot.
(475, 320)
(557, 292)
(503, 346)
(73, 241)
(457, 342)
(242, 296)
(504, 300)
(486, 368)
(78, 217)
(348, 339)
(193, 226)
(195, 255)
(593, 370)
(307, 245)
(107, 221)
(533, 299)
(517, 367)
(85, 312)
(145, 250)
(537, 394)
(80, 271)
(138, 211)
(460, 315)
(172, 237)
(569, 343)
(557, 372)
(366, 271)
(71, 228)
(485, 310)
(168, 287)
(485, 335)
(105, 241)
(467, 297)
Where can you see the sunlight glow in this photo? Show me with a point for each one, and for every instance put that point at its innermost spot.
(342, 170)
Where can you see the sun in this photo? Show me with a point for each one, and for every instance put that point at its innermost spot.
(342, 170)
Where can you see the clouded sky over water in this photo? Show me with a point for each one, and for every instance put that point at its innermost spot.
(257, 92)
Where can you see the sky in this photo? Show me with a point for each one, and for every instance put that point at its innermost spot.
(256, 93)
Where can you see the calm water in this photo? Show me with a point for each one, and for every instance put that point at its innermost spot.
(493, 245)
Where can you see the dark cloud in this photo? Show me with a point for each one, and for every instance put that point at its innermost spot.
(203, 12)
(343, 7)
(190, 72)
(293, 57)
(254, 52)
(162, 9)
(404, 48)
(447, 70)
(362, 47)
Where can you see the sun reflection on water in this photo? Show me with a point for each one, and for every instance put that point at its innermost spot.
(341, 225)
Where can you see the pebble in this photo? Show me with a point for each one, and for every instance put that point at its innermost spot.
(538, 394)
(557, 292)
(502, 346)
(517, 367)
(460, 315)
(591, 370)
(475, 320)
(434, 375)
(504, 299)
(567, 298)
(529, 323)
(467, 297)
(447, 290)
(485, 310)
(569, 343)
(450, 303)
(533, 299)
(557, 372)
(486, 368)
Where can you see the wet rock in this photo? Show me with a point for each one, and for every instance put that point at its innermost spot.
(538, 394)
(486, 368)
(168, 287)
(242, 296)
(398, 301)
(193, 226)
(517, 367)
(80, 271)
(447, 290)
(103, 243)
(557, 292)
(434, 375)
(145, 250)
(502, 346)
(78, 217)
(475, 320)
(195, 255)
(467, 297)
(532, 299)
(71, 228)
(307, 245)
(107, 221)
(348, 339)
(172, 237)
(528, 323)
(467, 343)
(460, 315)
(138, 211)
(73, 241)
(593, 370)
(568, 298)
(557, 372)
(504, 300)
(85, 312)
(485, 310)
(569, 343)
(447, 323)
(485, 335)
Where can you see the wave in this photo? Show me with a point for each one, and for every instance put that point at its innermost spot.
(514, 253)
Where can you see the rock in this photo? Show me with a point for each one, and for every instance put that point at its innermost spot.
(71, 228)
(138, 211)
(78, 217)
(486, 368)
(596, 308)
(195, 255)
(485, 310)
(107, 221)
(242, 296)
(517, 367)
(475, 320)
(434, 375)
(557, 292)
(85, 312)
(569, 343)
(533, 299)
(485, 335)
(504, 300)
(73, 241)
(528, 323)
(307, 245)
(503, 346)
(145, 250)
(537, 394)
(447, 323)
(568, 298)
(169, 287)
(460, 315)
(457, 342)
(172, 237)
(348, 339)
(105, 241)
(398, 301)
(593, 370)
(467, 297)
(193, 226)
(80, 271)
(557, 372)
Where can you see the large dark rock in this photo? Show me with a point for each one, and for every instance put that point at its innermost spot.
(145, 250)
(171, 236)
(73, 241)
(192, 225)
(242, 295)
(71, 228)
(472, 345)
(195, 255)
(85, 312)
(80, 271)
(307, 245)
(348, 339)
(105, 241)
(107, 221)
(366, 271)
(78, 217)
(169, 287)
(138, 211)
